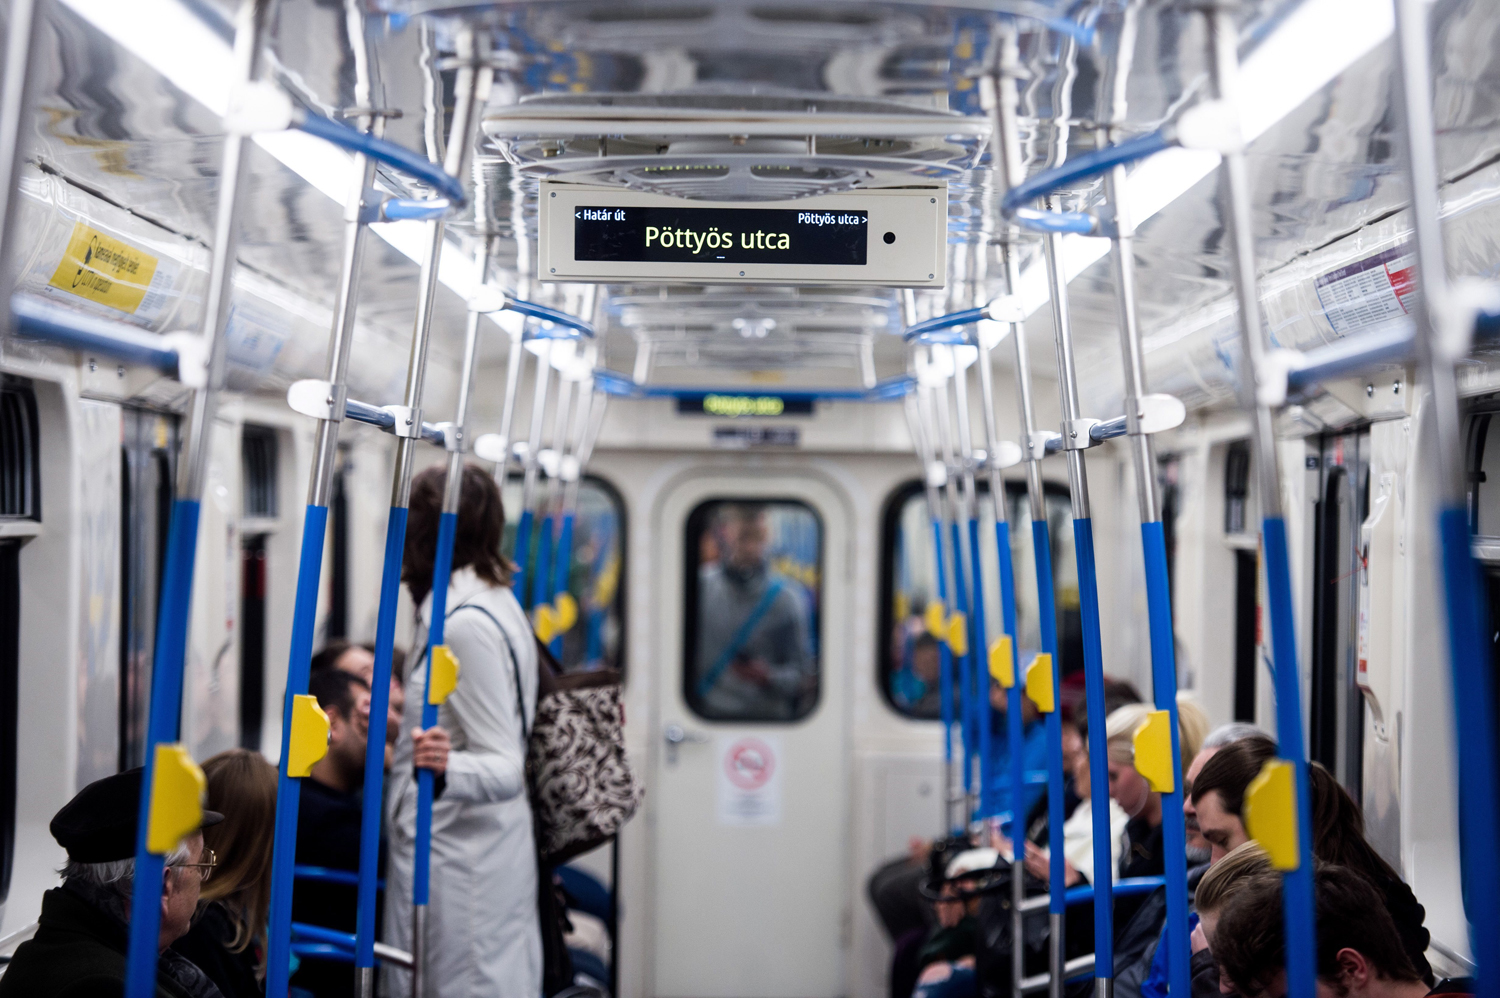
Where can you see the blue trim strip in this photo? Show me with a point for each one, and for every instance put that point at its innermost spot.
(162, 727)
(618, 385)
(521, 554)
(1164, 687)
(945, 658)
(392, 155)
(442, 571)
(289, 788)
(1297, 893)
(1041, 541)
(1093, 677)
(1084, 167)
(66, 327)
(380, 694)
(1469, 654)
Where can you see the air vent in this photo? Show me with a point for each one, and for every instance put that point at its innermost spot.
(735, 147)
(19, 475)
(258, 460)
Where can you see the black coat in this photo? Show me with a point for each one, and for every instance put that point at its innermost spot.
(79, 952)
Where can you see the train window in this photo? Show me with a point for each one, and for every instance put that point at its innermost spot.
(19, 475)
(10, 637)
(908, 654)
(1236, 486)
(148, 459)
(258, 460)
(754, 571)
(252, 639)
(337, 624)
(595, 577)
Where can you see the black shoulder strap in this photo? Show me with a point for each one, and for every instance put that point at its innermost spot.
(515, 667)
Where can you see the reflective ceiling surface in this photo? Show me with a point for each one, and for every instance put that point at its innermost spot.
(113, 127)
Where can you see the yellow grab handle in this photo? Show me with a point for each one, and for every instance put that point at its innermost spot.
(1039, 684)
(1153, 751)
(1271, 813)
(176, 799)
(545, 624)
(444, 677)
(958, 633)
(933, 617)
(567, 612)
(1003, 661)
(309, 740)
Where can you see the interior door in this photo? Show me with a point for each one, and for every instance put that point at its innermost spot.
(750, 768)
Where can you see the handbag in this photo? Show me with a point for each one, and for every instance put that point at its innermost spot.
(580, 783)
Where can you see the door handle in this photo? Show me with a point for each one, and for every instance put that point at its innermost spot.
(676, 735)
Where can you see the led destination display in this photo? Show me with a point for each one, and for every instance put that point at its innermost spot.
(719, 235)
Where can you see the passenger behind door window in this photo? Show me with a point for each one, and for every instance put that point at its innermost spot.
(754, 580)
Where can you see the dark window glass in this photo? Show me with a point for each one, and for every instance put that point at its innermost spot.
(252, 639)
(258, 459)
(19, 475)
(1236, 486)
(754, 588)
(595, 574)
(910, 656)
(148, 457)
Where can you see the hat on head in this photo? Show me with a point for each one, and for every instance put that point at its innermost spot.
(99, 824)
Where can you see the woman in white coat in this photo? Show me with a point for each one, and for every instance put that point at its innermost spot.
(483, 937)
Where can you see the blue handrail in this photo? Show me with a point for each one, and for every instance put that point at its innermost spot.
(552, 315)
(618, 385)
(389, 153)
(328, 875)
(1124, 887)
(1069, 222)
(1083, 167)
(66, 327)
(374, 415)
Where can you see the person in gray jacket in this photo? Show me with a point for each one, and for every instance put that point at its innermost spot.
(483, 936)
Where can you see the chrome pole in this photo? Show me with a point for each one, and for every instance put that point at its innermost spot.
(23, 38)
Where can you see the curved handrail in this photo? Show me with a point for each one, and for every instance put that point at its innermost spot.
(1124, 887)
(41, 320)
(389, 153)
(1083, 167)
(552, 315)
(923, 330)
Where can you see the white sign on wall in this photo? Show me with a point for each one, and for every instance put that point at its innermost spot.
(749, 780)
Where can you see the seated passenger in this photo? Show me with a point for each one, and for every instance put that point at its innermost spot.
(79, 946)
(1199, 848)
(328, 825)
(1219, 884)
(945, 962)
(359, 660)
(1359, 951)
(228, 938)
(1218, 793)
(917, 684)
(483, 935)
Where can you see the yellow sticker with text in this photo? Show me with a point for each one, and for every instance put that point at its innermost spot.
(104, 270)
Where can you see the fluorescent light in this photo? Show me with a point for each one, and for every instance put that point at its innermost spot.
(174, 42)
(1315, 43)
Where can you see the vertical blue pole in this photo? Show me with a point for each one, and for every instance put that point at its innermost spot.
(442, 570)
(564, 563)
(1041, 539)
(380, 693)
(1164, 686)
(542, 578)
(965, 662)
(521, 554)
(1014, 726)
(1297, 893)
(1473, 703)
(289, 788)
(163, 727)
(946, 660)
(1093, 677)
(978, 652)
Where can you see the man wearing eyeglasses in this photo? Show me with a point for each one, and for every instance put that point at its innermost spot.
(79, 947)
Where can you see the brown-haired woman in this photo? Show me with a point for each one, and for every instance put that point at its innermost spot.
(228, 939)
(482, 934)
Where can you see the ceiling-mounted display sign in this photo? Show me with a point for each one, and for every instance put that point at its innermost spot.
(734, 406)
(881, 237)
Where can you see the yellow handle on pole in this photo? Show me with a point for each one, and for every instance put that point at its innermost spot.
(1039, 683)
(176, 799)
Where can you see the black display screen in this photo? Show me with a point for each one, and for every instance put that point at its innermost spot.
(719, 235)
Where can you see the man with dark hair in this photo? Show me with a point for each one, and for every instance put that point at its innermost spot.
(1218, 793)
(1359, 955)
(359, 660)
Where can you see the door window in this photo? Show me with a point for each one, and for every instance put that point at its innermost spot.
(754, 584)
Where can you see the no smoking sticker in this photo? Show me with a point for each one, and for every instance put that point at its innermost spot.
(749, 781)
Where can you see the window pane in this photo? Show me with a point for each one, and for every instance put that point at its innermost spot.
(594, 573)
(753, 591)
(911, 658)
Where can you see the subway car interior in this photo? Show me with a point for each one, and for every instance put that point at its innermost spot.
(922, 436)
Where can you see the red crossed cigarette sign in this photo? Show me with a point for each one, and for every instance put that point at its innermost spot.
(749, 763)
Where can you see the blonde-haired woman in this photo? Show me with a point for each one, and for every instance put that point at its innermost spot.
(228, 939)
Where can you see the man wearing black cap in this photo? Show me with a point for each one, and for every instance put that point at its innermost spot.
(79, 947)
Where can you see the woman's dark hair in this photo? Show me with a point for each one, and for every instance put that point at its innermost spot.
(1230, 770)
(476, 541)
